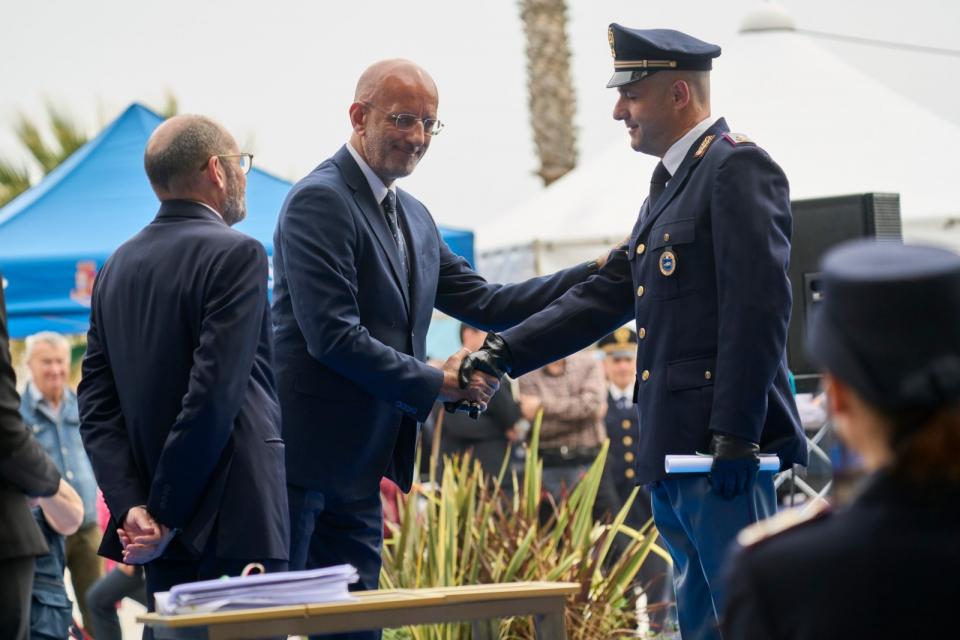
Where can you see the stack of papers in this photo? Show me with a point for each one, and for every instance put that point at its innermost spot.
(262, 590)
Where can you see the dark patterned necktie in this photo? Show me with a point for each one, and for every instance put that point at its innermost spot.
(390, 210)
(658, 182)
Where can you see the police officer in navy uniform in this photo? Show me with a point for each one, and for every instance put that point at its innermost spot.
(623, 429)
(888, 337)
(704, 274)
(620, 358)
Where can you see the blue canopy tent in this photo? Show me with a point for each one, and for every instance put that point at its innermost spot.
(55, 236)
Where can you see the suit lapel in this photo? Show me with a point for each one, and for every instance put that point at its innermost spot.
(374, 216)
(677, 182)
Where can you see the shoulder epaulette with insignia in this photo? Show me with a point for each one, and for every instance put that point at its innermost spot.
(704, 145)
(783, 521)
(737, 138)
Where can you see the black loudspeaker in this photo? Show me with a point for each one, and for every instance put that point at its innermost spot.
(818, 225)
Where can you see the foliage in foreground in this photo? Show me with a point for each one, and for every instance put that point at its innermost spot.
(467, 530)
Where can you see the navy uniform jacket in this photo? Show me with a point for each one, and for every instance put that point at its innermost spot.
(711, 356)
(885, 567)
(177, 402)
(351, 333)
(624, 432)
(623, 429)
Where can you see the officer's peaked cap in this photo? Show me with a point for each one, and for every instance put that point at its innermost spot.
(638, 53)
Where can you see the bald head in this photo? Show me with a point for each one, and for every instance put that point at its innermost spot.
(179, 147)
(386, 90)
(387, 77)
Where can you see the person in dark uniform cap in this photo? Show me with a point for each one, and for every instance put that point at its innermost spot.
(623, 429)
(704, 275)
(888, 337)
(620, 364)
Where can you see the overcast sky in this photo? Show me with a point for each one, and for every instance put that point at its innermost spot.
(280, 74)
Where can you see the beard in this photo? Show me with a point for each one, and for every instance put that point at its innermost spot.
(235, 208)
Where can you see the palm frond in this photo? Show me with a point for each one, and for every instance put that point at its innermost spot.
(66, 131)
(14, 180)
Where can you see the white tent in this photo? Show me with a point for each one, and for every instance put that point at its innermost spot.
(833, 130)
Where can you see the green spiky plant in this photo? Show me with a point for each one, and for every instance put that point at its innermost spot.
(465, 530)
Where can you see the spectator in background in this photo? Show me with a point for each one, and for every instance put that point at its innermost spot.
(490, 435)
(623, 427)
(120, 581)
(49, 409)
(573, 395)
(25, 470)
(123, 581)
(51, 612)
(887, 336)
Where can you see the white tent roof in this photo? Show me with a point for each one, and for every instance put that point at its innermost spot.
(833, 129)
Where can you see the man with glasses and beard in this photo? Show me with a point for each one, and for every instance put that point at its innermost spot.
(359, 267)
(178, 407)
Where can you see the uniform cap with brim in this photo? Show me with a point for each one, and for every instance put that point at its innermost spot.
(638, 53)
(622, 343)
(889, 323)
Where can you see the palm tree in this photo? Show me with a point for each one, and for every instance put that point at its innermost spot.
(552, 99)
(68, 136)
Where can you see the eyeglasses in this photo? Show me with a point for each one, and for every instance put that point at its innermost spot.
(246, 161)
(407, 121)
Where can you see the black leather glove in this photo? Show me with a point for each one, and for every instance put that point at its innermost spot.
(493, 358)
(736, 463)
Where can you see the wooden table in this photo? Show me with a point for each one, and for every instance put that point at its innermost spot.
(385, 608)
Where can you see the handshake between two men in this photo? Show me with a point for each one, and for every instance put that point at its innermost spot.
(471, 379)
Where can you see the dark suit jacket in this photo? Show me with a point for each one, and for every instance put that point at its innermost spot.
(884, 568)
(715, 323)
(25, 468)
(177, 402)
(351, 332)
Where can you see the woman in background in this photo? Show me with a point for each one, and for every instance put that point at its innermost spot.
(888, 565)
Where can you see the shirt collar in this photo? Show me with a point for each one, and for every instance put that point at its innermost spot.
(37, 400)
(617, 393)
(678, 150)
(35, 396)
(204, 204)
(377, 187)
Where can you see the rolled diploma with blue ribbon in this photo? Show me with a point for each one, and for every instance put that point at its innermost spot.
(702, 464)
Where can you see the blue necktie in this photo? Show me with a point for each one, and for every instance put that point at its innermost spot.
(390, 210)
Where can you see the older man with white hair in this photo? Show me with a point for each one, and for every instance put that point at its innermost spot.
(49, 409)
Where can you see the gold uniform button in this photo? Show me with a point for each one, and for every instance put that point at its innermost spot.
(640, 291)
(707, 375)
(666, 237)
(628, 456)
(627, 441)
(645, 375)
(641, 333)
(629, 473)
(625, 424)
(641, 248)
